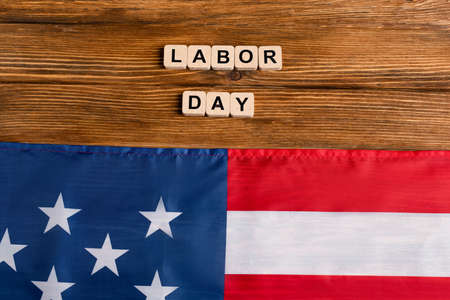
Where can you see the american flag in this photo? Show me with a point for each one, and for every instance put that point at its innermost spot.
(85, 222)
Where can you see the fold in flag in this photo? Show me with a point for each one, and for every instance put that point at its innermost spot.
(85, 222)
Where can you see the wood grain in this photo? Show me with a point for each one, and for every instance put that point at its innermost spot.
(246, 13)
(147, 116)
(332, 57)
(357, 74)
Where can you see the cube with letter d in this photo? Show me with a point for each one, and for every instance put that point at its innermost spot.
(194, 103)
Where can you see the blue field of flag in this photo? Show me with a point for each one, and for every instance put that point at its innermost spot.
(111, 223)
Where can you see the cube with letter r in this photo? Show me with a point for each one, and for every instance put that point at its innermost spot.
(270, 58)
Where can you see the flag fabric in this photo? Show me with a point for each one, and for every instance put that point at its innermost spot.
(88, 222)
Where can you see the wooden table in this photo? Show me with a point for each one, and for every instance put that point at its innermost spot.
(357, 73)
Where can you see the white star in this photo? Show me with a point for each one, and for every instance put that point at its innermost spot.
(58, 215)
(106, 256)
(7, 250)
(156, 291)
(52, 289)
(160, 219)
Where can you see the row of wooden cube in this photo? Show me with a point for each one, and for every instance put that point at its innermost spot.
(218, 104)
(204, 57)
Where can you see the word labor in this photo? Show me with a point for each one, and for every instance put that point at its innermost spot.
(203, 57)
(218, 104)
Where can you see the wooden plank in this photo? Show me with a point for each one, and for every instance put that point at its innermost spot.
(138, 115)
(356, 73)
(313, 57)
(289, 13)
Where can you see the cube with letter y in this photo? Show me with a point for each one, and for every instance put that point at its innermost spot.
(242, 105)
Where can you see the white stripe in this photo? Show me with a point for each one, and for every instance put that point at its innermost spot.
(336, 243)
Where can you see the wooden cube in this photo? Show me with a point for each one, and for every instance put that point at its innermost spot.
(222, 58)
(175, 57)
(194, 103)
(218, 104)
(199, 57)
(246, 57)
(242, 105)
(270, 58)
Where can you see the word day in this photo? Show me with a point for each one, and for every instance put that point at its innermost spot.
(218, 104)
(204, 57)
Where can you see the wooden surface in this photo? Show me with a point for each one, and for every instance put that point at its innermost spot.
(357, 74)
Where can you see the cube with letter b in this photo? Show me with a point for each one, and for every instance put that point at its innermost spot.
(194, 103)
(222, 58)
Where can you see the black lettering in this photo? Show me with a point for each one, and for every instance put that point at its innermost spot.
(250, 56)
(191, 105)
(223, 54)
(173, 57)
(269, 54)
(218, 103)
(199, 55)
(241, 103)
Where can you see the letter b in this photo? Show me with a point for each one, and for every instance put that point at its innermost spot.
(222, 58)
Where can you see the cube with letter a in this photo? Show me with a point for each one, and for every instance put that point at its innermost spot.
(199, 57)
(218, 104)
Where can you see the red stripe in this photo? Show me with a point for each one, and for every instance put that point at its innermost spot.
(339, 180)
(290, 287)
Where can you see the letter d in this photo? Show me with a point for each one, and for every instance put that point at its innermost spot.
(191, 102)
